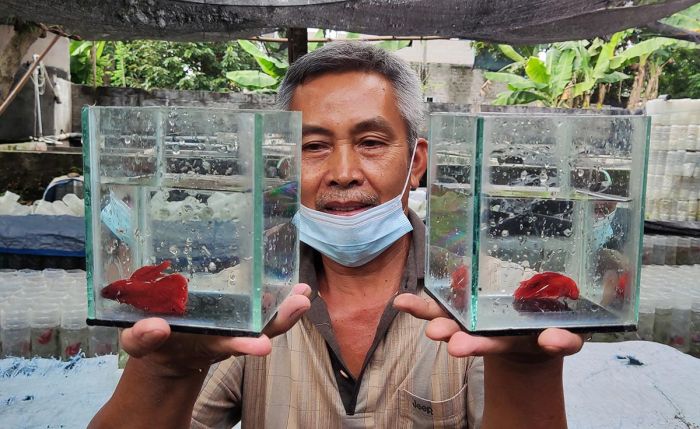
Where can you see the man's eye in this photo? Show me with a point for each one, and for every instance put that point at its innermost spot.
(372, 143)
(313, 147)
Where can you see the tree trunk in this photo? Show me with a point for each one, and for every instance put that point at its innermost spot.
(298, 39)
(25, 35)
(602, 89)
(636, 92)
(652, 88)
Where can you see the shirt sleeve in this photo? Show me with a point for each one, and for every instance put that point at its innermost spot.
(475, 392)
(219, 401)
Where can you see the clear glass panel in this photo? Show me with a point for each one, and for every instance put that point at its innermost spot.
(183, 241)
(450, 212)
(557, 221)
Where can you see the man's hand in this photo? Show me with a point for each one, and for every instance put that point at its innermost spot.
(523, 385)
(550, 343)
(178, 354)
(160, 384)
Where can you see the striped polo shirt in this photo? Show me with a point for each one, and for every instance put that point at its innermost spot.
(407, 380)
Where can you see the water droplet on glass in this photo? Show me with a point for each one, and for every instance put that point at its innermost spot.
(174, 250)
(176, 149)
(567, 232)
(212, 266)
(580, 172)
(523, 175)
(504, 233)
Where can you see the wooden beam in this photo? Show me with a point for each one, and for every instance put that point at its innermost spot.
(297, 39)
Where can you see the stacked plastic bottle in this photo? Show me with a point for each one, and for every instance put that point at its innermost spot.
(42, 313)
(673, 181)
(669, 308)
(670, 250)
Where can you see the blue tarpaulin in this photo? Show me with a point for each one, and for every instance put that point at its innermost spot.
(43, 235)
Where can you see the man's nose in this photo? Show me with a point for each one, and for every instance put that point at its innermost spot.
(344, 167)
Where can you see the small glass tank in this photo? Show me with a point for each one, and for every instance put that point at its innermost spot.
(188, 216)
(536, 221)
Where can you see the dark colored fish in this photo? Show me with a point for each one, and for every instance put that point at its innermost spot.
(539, 305)
(547, 285)
(150, 290)
(458, 285)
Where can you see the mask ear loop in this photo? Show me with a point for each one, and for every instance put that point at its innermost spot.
(410, 168)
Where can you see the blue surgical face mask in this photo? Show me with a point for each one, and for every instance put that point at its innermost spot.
(355, 240)
(602, 230)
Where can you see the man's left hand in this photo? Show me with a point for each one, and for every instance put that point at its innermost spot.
(552, 342)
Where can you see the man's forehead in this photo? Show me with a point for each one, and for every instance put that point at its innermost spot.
(330, 84)
(376, 123)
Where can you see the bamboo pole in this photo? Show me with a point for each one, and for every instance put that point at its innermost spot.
(11, 96)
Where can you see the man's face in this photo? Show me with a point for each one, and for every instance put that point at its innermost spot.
(355, 153)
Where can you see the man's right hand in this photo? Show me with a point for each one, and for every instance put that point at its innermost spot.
(161, 382)
(177, 354)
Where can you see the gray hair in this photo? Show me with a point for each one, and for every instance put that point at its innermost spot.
(360, 56)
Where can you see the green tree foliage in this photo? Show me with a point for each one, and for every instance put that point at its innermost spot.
(272, 63)
(681, 76)
(566, 77)
(208, 66)
(152, 64)
(88, 62)
(638, 65)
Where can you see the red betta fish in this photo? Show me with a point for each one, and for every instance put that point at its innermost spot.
(623, 285)
(72, 349)
(45, 336)
(150, 290)
(460, 280)
(547, 285)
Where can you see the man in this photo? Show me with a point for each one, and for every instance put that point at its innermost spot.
(352, 360)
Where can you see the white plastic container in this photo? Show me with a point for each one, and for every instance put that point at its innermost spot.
(74, 336)
(15, 332)
(45, 321)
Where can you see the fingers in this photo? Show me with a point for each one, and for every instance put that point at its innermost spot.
(551, 342)
(236, 346)
(145, 336)
(560, 342)
(422, 308)
(290, 311)
(441, 329)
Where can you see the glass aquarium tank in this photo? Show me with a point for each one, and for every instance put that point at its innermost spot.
(189, 214)
(536, 220)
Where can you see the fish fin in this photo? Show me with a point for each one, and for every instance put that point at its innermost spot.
(112, 290)
(149, 273)
(175, 299)
(460, 278)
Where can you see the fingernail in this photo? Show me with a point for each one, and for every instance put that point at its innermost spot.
(152, 336)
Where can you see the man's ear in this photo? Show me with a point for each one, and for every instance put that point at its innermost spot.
(420, 162)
